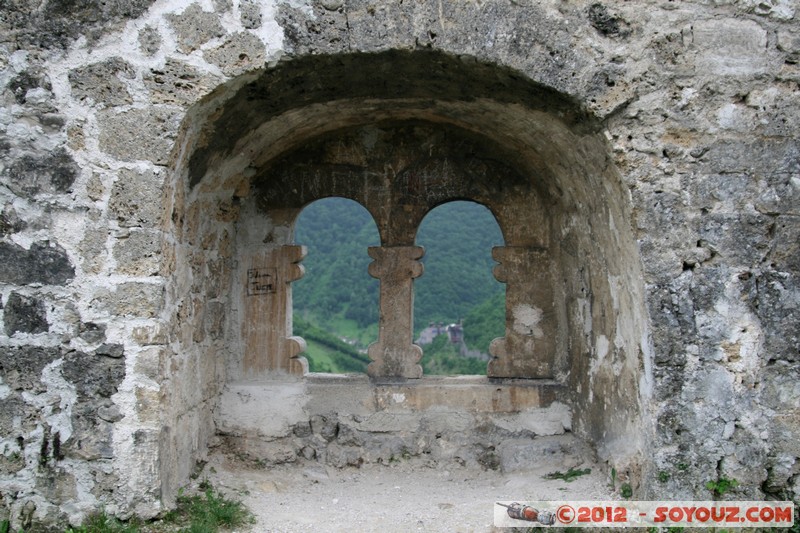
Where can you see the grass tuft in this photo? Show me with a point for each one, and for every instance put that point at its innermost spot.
(570, 475)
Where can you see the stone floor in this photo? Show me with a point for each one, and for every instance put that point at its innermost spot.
(401, 497)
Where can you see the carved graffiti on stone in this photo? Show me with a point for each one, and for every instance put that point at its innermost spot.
(261, 281)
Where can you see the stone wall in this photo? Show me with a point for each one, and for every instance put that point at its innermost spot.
(130, 133)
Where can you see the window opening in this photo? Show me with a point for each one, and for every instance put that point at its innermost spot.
(335, 304)
(459, 307)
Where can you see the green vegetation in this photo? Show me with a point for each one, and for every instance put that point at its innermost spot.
(208, 512)
(337, 233)
(328, 353)
(458, 238)
(102, 523)
(338, 297)
(625, 490)
(570, 475)
(722, 485)
(441, 357)
(485, 322)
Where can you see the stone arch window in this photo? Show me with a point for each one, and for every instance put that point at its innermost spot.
(447, 276)
(345, 224)
(401, 132)
(399, 171)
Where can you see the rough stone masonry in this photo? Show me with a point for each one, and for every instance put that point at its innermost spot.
(642, 159)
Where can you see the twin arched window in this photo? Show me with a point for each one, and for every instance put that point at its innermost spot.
(458, 305)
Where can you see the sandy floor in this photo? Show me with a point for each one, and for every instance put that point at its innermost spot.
(404, 497)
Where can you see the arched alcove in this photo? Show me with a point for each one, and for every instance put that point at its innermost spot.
(401, 132)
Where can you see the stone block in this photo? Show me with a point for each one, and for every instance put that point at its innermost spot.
(53, 172)
(43, 263)
(742, 240)
(153, 334)
(138, 254)
(92, 332)
(778, 308)
(240, 53)
(214, 319)
(93, 375)
(21, 366)
(90, 441)
(114, 351)
(551, 453)
(24, 314)
(150, 362)
(101, 83)
(250, 14)
(148, 405)
(553, 420)
(136, 198)
(342, 456)
(271, 452)
(271, 410)
(139, 134)
(132, 299)
(178, 82)
(194, 27)
(93, 250)
(730, 47)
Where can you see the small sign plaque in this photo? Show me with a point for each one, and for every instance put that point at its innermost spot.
(261, 281)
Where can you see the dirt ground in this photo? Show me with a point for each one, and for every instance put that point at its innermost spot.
(403, 497)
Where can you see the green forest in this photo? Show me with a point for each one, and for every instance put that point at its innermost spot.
(336, 302)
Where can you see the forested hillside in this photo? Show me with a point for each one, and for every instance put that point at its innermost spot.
(338, 296)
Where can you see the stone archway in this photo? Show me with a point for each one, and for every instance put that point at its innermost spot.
(401, 132)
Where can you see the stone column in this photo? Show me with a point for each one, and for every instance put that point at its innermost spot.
(395, 355)
(267, 325)
(528, 348)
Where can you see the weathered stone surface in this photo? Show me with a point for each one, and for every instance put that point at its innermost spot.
(42, 263)
(58, 23)
(139, 134)
(114, 351)
(676, 119)
(194, 27)
(27, 80)
(101, 83)
(54, 172)
(250, 14)
(178, 83)
(24, 314)
(136, 198)
(92, 332)
(132, 299)
(240, 53)
(92, 375)
(10, 222)
(21, 366)
(607, 23)
(149, 40)
(138, 254)
(730, 47)
(151, 335)
(93, 250)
